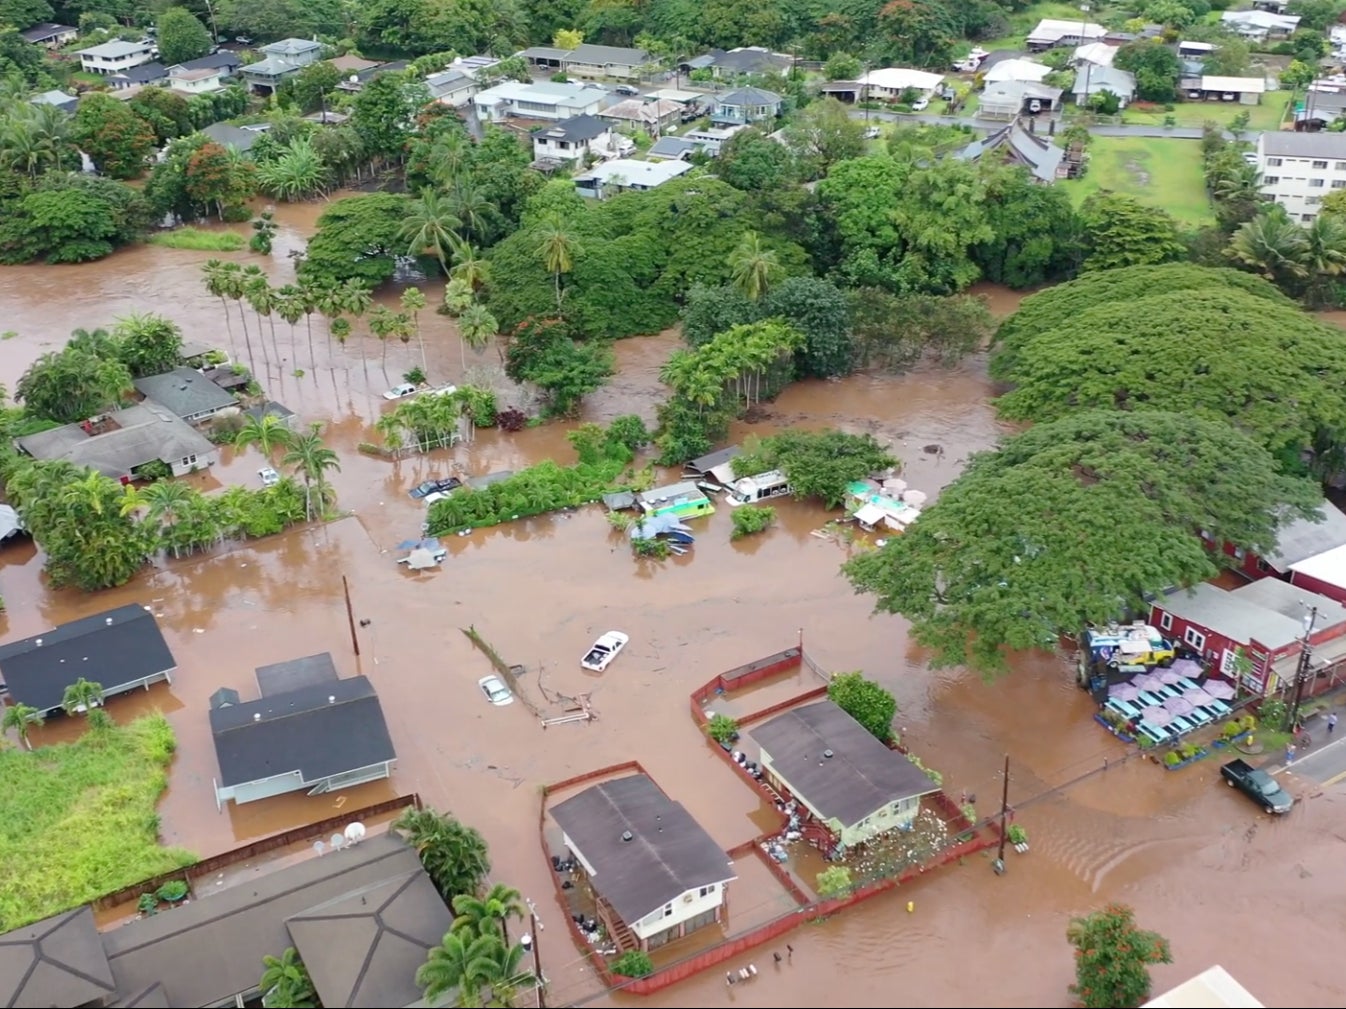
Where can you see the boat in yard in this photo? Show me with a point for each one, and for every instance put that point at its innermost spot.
(604, 650)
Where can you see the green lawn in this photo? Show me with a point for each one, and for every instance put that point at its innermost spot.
(1161, 173)
(1266, 116)
(77, 819)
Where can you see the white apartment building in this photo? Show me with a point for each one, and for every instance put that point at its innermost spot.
(110, 57)
(1298, 169)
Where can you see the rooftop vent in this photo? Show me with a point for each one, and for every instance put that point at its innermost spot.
(38, 642)
(256, 716)
(108, 621)
(828, 754)
(331, 698)
(627, 835)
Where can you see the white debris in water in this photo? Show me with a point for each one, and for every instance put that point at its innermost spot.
(198, 630)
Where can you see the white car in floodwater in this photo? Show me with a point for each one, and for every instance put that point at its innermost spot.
(400, 391)
(604, 650)
(268, 476)
(495, 690)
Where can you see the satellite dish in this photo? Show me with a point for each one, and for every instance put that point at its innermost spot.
(319, 848)
(355, 78)
(355, 832)
(338, 842)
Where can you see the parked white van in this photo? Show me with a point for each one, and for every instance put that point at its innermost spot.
(762, 487)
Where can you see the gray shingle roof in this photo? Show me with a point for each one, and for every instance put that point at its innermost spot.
(1304, 538)
(146, 432)
(1292, 144)
(55, 962)
(862, 775)
(748, 96)
(186, 392)
(577, 129)
(1230, 615)
(645, 849)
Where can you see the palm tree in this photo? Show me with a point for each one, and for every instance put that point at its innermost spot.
(234, 285)
(463, 961)
(21, 718)
(164, 501)
(458, 296)
(290, 307)
(355, 299)
(381, 324)
(285, 983)
(268, 432)
(506, 976)
(752, 266)
(477, 327)
(310, 301)
(558, 248)
(82, 696)
(1324, 255)
(1272, 245)
(488, 913)
(217, 283)
(412, 303)
(448, 157)
(453, 854)
(468, 266)
(312, 459)
(429, 227)
(469, 206)
(261, 296)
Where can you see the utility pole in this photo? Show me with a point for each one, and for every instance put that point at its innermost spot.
(531, 942)
(214, 28)
(1004, 814)
(1302, 671)
(350, 615)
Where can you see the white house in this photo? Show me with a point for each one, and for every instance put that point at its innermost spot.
(116, 55)
(1052, 32)
(621, 174)
(1298, 169)
(1027, 71)
(850, 783)
(1244, 90)
(656, 873)
(1100, 54)
(890, 83)
(575, 139)
(195, 82)
(1259, 25)
(454, 88)
(539, 100)
(1093, 80)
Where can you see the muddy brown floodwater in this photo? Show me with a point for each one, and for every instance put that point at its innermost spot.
(1195, 861)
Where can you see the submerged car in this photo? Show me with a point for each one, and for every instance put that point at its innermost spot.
(268, 476)
(400, 391)
(495, 690)
(604, 650)
(442, 485)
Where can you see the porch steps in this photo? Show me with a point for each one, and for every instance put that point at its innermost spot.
(624, 938)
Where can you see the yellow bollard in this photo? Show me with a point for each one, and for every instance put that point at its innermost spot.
(911, 906)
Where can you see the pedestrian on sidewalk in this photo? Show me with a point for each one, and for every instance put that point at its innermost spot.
(1289, 754)
(1331, 721)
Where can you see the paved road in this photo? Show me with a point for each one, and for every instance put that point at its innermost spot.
(934, 119)
(1325, 762)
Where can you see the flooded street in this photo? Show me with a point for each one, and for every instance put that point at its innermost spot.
(1195, 860)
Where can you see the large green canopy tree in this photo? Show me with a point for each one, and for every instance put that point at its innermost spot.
(1269, 369)
(1075, 521)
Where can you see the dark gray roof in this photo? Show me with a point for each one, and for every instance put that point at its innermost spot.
(185, 392)
(1230, 615)
(751, 60)
(225, 696)
(209, 949)
(295, 674)
(707, 462)
(748, 96)
(146, 73)
(145, 432)
(113, 648)
(153, 997)
(861, 776)
(577, 129)
(222, 60)
(1038, 154)
(319, 731)
(1304, 538)
(668, 852)
(363, 948)
(671, 147)
(1289, 144)
(271, 408)
(998, 56)
(236, 137)
(55, 962)
(45, 32)
(703, 61)
(447, 82)
(588, 53)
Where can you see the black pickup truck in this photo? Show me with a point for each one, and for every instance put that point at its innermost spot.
(1257, 785)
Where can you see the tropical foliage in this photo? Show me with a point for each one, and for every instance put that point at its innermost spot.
(1112, 958)
(819, 464)
(80, 821)
(285, 983)
(748, 520)
(865, 701)
(453, 854)
(481, 966)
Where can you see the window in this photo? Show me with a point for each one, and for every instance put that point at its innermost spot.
(1339, 166)
(1320, 164)
(1240, 553)
(188, 460)
(1194, 638)
(1316, 183)
(668, 910)
(1270, 180)
(1263, 565)
(1273, 162)
(1313, 201)
(1166, 621)
(706, 891)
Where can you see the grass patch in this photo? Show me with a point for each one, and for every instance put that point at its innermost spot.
(1267, 116)
(198, 240)
(77, 819)
(1158, 172)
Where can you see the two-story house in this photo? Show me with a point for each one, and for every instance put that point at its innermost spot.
(572, 140)
(117, 55)
(195, 80)
(452, 87)
(1298, 169)
(746, 105)
(655, 872)
(282, 58)
(540, 100)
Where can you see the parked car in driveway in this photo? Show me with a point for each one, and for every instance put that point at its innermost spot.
(1257, 785)
(495, 690)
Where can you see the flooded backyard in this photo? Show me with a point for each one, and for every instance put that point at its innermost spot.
(1195, 861)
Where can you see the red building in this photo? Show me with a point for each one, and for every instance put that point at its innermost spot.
(1264, 620)
(1297, 542)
